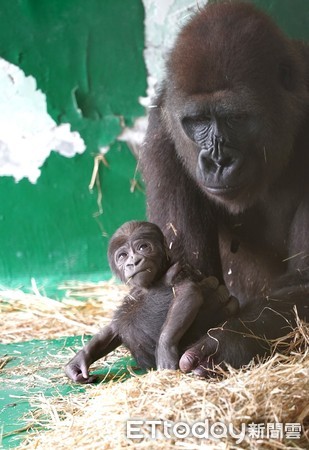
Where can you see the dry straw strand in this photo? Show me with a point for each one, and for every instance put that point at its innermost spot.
(273, 391)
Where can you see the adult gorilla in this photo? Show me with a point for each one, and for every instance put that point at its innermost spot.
(226, 166)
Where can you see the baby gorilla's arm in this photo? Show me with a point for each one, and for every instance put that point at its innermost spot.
(190, 297)
(186, 304)
(100, 345)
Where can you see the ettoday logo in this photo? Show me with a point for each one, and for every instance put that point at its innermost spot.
(165, 429)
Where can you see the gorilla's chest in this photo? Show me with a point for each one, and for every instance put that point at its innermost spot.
(253, 252)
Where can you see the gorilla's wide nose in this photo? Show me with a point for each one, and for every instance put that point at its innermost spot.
(134, 261)
(216, 157)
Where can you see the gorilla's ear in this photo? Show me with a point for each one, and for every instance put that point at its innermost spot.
(287, 77)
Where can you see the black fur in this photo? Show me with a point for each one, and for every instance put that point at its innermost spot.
(225, 161)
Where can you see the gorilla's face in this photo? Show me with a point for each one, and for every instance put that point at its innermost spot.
(229, 162)
(138, 254)
(230, 145)
(232, 107)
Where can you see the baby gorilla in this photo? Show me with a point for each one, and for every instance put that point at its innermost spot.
(154, 320)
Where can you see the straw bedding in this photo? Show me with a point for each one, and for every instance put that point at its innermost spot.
(85, 307)
(272, 392)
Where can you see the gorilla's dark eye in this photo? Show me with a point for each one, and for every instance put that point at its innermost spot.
(143, 246)
(196, 127)
(121, 256)
(235, 120)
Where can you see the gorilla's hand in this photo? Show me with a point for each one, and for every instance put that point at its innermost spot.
(78, 369)
(219, 302)
(231, 344)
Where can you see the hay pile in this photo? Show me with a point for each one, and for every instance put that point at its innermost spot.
(85, 307)
(274, 392)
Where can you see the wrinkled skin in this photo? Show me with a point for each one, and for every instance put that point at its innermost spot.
(226, 163)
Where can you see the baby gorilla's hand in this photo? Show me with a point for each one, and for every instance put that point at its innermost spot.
(219, 298)
(77, 369)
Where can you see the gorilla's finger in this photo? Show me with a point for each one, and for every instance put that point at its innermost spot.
(188, 361)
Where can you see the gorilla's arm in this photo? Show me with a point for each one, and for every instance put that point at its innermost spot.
(100, 345)
(182, 312)
(262, 319)
(240, 339)
(166, 179)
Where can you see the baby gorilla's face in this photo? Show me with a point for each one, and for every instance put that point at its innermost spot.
(138, 254)
(140, 261)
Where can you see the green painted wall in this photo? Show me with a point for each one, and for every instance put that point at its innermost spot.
(87, 56)
(291, 15)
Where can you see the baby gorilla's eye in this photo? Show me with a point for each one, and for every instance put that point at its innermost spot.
(121, 256)
(143, 246)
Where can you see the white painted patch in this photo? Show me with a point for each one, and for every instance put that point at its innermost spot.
(134, 137)
(163, 20)
(104, 150)
(27, 133)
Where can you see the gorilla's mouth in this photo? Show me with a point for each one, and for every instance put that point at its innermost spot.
(143, 278)
(225, 191)
(140, 271)
(144, 273)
